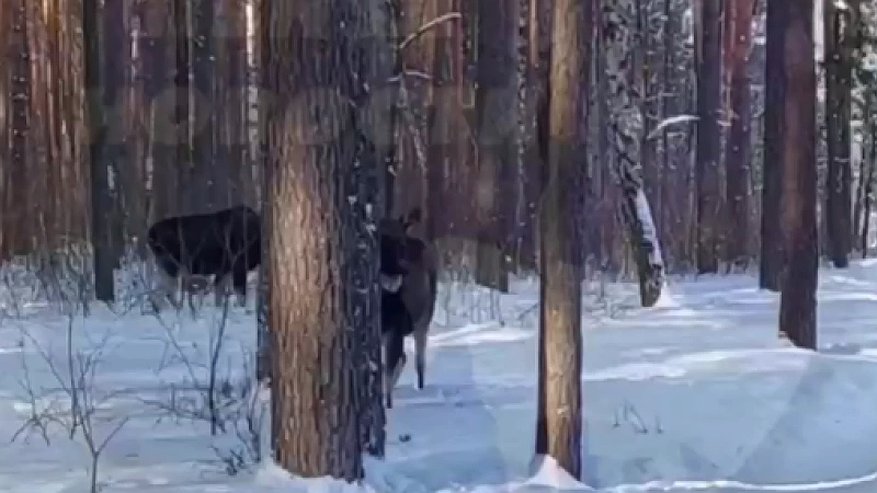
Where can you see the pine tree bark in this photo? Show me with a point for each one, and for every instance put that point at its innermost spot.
(708, 138)
(738, 153)
(839, 30)
(798, 298)
(323, 259)
(772, 247)
(560, 260)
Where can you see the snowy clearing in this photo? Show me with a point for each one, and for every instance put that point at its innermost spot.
(697, 394)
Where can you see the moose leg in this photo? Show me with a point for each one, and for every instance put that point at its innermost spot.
(420, 337)
(395, 361)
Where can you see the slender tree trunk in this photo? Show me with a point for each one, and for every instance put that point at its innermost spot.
(626, 131)
(708, 139)
(561, 263)
(101, 202)
(185, 164)
(496, 129)
(772, 254)
(540, 58)
(5, 129)
(209, 173)
(839, 32)
(738, 154)
(323, 260)
(17, 207)
(871, 160)
(798, 299)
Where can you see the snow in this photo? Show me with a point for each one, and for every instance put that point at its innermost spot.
(669, 122)
(695, 394)
(650, 233)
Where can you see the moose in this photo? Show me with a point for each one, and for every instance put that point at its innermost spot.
(407, 307)
(222, 243)
(228, 242)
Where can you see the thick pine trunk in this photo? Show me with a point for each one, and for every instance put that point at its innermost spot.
(798, 299)
(738, 153)
(560, 261)
(708, 138)
(324, 299)
(772, 254)
(839, 30)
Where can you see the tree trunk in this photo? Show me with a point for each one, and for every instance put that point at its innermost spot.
(184, 165)
(496, 131)
(540, 59)
(16, 209)
(798, 299)
(209, 174)
(5, 129)
(707, 164)
(561, 262)
(772, 254)
(738, 154)
(101, 203)
(626, 132)
(839, 28)
(323, 260)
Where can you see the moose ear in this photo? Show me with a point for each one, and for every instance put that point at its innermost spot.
(415, 216)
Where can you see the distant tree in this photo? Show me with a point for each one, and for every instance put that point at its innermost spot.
(561, 262)
(709, 58)
(101, 200)
(738, 153)
(799, 178)
(840, 36)
(772, 254)
(626, 133)
(496, 128)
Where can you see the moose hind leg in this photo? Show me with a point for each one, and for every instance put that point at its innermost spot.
(420, 338)
(395, 362)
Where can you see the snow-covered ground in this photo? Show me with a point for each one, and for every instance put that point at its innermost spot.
(696, 394)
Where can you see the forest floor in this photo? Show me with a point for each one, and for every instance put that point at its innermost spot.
(697, 394)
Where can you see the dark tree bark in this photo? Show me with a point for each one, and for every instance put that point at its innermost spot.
(496, 133)
(101, 201)
(184, 163)
(20, 88)
(708, 138)
(738, 154)
(561, 262)
(537, 150)
(209, 173)
(798, 299)
(839, 29)
(772, 254)
(323, 259)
